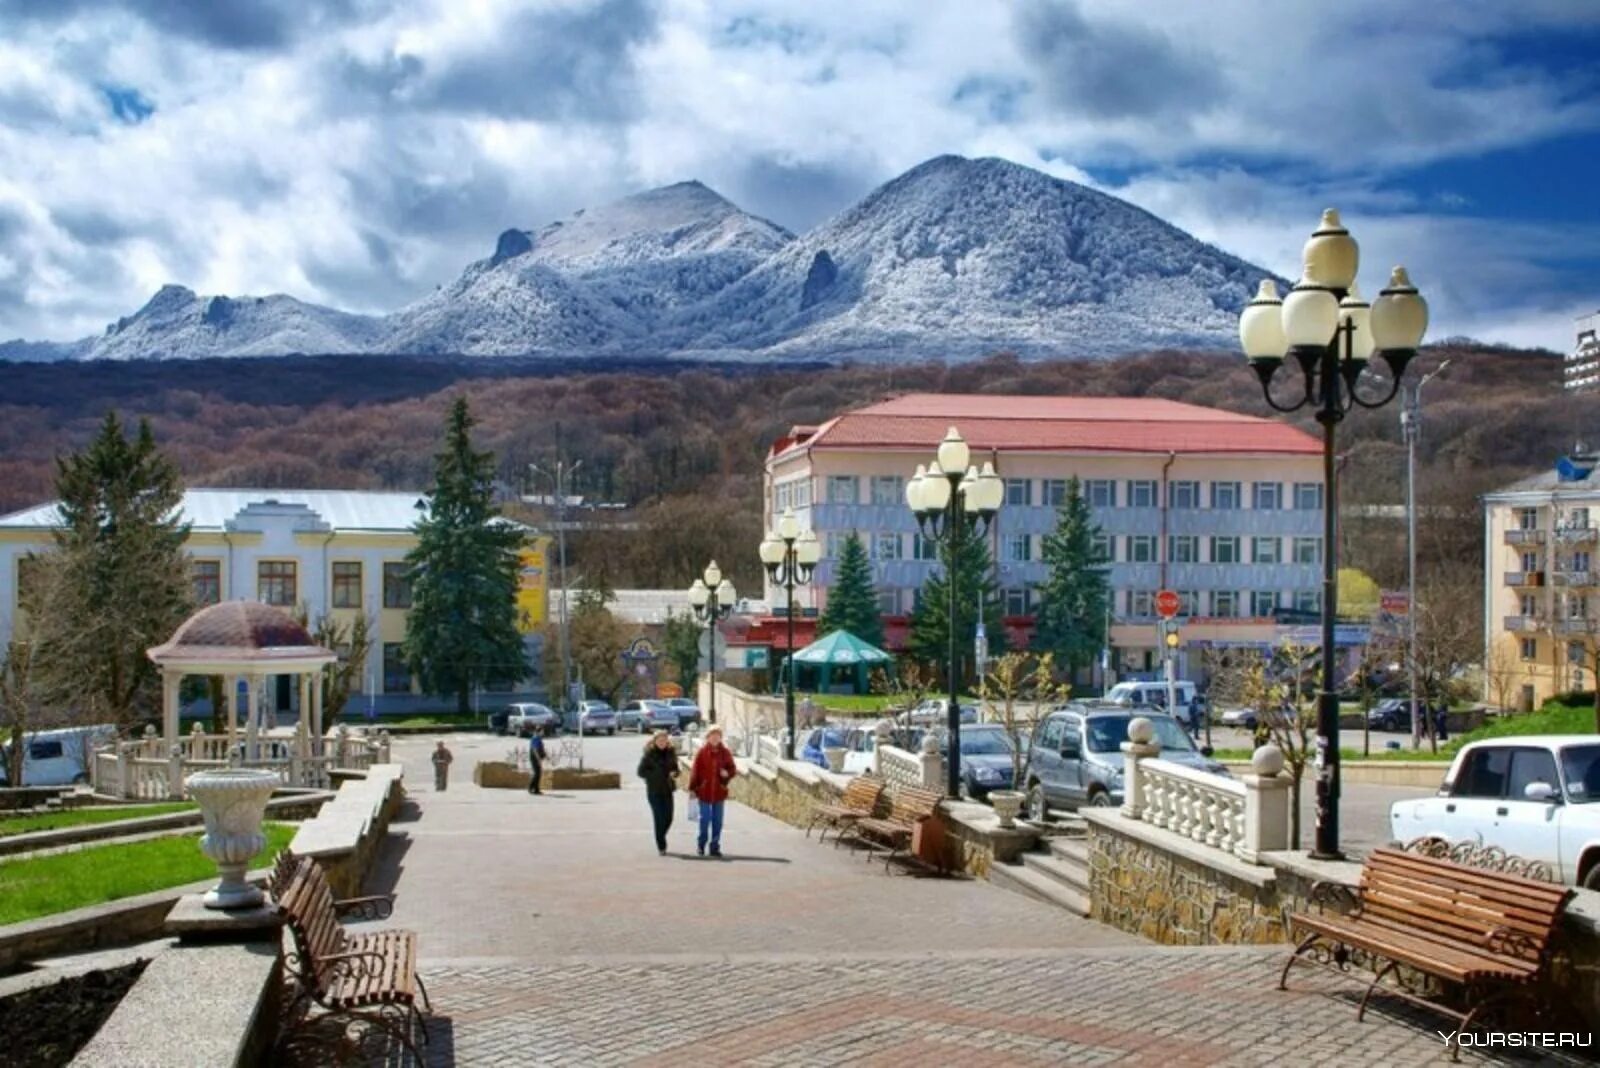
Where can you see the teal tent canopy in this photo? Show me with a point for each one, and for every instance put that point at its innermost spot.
(837, 662)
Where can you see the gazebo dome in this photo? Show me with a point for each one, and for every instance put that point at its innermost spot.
(242, 635)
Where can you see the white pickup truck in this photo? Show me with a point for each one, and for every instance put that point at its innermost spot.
(1536, 797)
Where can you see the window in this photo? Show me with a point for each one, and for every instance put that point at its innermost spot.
(1577, 606)
(1225, 604)
(1308, 602)
(1576, 654)
(206, 575)
(346, 584)
(1225, 496)
(1266, 550)
(1102, 547)
(1264, 604)
(1142, 493)
(1578, 517)
(1527, 519)
(49, 750)
(1141, 604)
(1188, 603)
(1183, 495)
(1308, 496)
(802, 493)
(1185, 549)
(396, 675)
(885, 546)
(1530, 648)
(888, 489)
(1102, 492)
(1017, 548)
(1484, 774)
(1225, 550)
(782, 498)
(275, 583)
(833, 543)
(1055, 492)
(1580, 560)
(1050, 734)
(924, 548)
(889, 602)
(1266, 496)
(1529, 766)
(1142, 548)
(1019, 492)
(396, 585)
(1308, 550)
(1016, 602)
(1530, 604)
(842, 490)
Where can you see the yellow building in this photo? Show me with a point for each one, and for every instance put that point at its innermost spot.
(340, 552)
(1224, 509)
(1542, 584)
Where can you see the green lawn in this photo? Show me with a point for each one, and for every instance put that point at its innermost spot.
(863, 704)
(41, 886)
(1553, 718)
(80, 817)
(425, 719)
(1444, 754)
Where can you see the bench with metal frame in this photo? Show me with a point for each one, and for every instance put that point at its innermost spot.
(909, 807)
(1431, 925)
(860, 801)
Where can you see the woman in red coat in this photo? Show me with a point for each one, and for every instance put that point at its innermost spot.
(708, 781)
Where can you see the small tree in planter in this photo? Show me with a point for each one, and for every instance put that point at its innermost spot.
(1282, 690)
(906, 689)
(1014, 682)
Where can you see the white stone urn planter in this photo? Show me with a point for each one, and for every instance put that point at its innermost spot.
(1007, 804)
(233, 801)
(834, 754)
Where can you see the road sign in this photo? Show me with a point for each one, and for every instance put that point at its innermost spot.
(1394, 603)
(1167, 604)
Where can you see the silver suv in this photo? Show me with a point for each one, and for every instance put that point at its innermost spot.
(1076, 755)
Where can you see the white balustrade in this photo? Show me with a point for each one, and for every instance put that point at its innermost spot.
(768, 751)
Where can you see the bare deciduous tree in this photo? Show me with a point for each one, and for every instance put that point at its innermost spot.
(1016, 681)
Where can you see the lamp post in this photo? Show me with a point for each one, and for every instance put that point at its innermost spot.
(712, 598)
(945, 496)
(1411, 430)
(1332, 334)
(559, 480)
(790, 556)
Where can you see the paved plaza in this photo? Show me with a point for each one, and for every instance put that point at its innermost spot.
(551, 933)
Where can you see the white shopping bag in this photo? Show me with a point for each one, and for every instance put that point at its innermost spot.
(694, 807)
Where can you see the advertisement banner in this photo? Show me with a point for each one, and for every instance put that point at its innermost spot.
(533, 586)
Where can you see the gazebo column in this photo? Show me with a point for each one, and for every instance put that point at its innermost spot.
(171, 686)
(252, 723)
(316, 709)
(233, 712)
(302, 729)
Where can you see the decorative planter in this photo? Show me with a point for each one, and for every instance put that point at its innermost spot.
(233, 801)
(835, 756)
(1006, 804)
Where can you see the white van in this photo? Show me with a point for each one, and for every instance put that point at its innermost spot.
(1154, 695)
(59, 757)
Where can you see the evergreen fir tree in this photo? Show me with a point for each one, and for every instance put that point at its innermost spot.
(930, 634)
(1071, 618)
(853, 600)
(462, 631)
(117, 581)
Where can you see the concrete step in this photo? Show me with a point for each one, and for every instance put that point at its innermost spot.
(1060, 825)
(1071, 850)
(1022, 879)
(1069, 873)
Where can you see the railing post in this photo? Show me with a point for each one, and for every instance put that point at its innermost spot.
(883, 737)
(124, 769)
(932, 764)
(1139, 747)
(175, 771)
(1266, 805)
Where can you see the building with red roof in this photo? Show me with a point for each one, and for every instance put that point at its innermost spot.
(1225, 509)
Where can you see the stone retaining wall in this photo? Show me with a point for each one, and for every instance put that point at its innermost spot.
(299, 805)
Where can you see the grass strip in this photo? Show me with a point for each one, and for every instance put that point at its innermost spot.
(83, 817)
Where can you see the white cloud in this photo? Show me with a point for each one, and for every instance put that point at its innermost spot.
(358, 153)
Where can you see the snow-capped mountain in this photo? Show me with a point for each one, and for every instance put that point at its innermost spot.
(955, 258)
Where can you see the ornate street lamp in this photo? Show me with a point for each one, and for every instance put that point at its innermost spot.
(945, 496)
(790, 556)
(712, 598)
(1332, 334)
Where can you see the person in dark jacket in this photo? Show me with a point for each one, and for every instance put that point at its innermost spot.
(535, 762)
(659, 770)
(708, 780)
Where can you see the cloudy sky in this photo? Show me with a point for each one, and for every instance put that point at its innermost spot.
(360, 152)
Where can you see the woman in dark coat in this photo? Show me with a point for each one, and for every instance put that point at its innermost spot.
(659, 770)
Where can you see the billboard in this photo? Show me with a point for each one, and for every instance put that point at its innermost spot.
(533, 586)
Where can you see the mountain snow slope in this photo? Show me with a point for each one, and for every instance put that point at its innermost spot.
(953, 259)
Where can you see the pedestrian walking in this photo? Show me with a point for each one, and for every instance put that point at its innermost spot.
(441, 766)
(658, 767)
(713, 769)
(535, 762)
(1441, 725)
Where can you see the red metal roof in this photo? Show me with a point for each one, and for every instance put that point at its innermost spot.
(1060, 424)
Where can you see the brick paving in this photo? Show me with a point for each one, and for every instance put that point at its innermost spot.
(551, 933)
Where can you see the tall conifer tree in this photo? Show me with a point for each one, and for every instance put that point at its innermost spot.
(975, 583)
(853, 600)
(1071, 618)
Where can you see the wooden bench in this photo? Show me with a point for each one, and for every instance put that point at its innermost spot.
(909, 807)
(860, 801)
(370, 976)
(1484, 934)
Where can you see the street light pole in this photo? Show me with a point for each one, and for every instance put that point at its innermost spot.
(1332, 334)
(944, 496)
(559, 481)
(1411, 427)
(712, 598)
(790, 556)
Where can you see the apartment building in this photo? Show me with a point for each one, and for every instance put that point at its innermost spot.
(340, 552)
(1542, 583)
(1225, 509)
(1581, 367)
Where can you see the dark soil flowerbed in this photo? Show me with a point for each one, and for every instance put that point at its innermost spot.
(47, 1026)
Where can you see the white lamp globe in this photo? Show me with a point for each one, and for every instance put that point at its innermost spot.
(1310, 316)
(914, 489)
(1358, 313)
(807, 550)
(698, 594)
(1261, 324)
(726, 594)
(713, 574)
(1399, 315)
(788, 525)
(772, 549)
(953, 451)
(1331, 255)
(991, 491)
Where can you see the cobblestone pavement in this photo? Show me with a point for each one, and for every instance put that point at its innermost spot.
(551, 933)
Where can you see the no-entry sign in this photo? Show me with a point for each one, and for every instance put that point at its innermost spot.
(1167, 603)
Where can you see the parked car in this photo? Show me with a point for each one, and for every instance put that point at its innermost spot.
(497, 720)
(57, 757)
(815, 740)
(985, 759)
(1390, 714)
(936, 711)
(1147, 694)
(591, 717)
(526, 717)
(649, 714)
(1075, 757)
(1247, 718)
(629, 715)
(688, 711)
(1534, 796)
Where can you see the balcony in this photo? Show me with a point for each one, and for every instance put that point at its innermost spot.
(1524, 537)
(1524, 578)
(1576, 628)
(1574, 579)
(1524, 624)
(1581, 535)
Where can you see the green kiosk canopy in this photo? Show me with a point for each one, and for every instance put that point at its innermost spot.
(837, 663)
